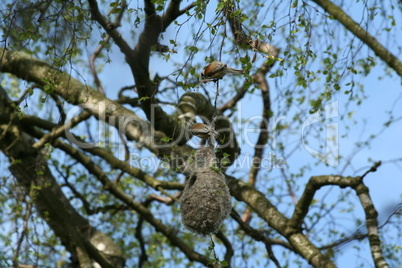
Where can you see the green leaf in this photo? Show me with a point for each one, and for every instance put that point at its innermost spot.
(167, 57)
(143, 98)
(225, 161)
(166, 139)
(337, 87)
(46, 88)
(193, 48)
(221, 5)
(215, 168)
(224, 263)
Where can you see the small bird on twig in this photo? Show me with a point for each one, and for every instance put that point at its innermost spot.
(217, 70)
(203, 131)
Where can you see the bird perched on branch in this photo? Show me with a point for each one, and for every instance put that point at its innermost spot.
(217, 70)
(203, 131)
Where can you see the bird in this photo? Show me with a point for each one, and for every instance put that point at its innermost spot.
(217, 70)
(202, 131)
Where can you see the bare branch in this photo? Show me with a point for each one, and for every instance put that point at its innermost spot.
(59, 131)
(74, 92)
(314, 184)
(372, 169)
(257, 234)
(112, 160)
(102, 45)
(109, 28)
(187, 8)
(172, 12)
(24, 230)
(138, 234)
(263, 136)
(92, 64)
(166, 200)
(229, 249)
(234, 100)
(149, 8)
(270, 214)
(372, 225)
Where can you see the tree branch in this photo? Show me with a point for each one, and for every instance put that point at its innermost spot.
(138, 234)
(58, 131)
(258, 235)
(138, 61)
(125, 198)
(109, 28)
(102, 45)
(74, 92)
(24, 230)
(372, 225)
(187, 8)
(229, 249)
(32, 172)
(362, 34)
(315, 183)
(92, 64)
(111, 159)
(172, 12)
(244, 40)
(260, 78)
(149, 8)
(234, 100)
(270, 214)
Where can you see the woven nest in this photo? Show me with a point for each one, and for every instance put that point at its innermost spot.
(205, 201)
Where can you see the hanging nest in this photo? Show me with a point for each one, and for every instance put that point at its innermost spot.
(205, 201)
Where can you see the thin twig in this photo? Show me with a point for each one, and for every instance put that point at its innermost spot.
(57, 132)
(229, 249)
(143, 257)
(92, 64)
(24, 228)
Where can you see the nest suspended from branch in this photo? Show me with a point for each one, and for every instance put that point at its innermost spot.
(205, 201)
